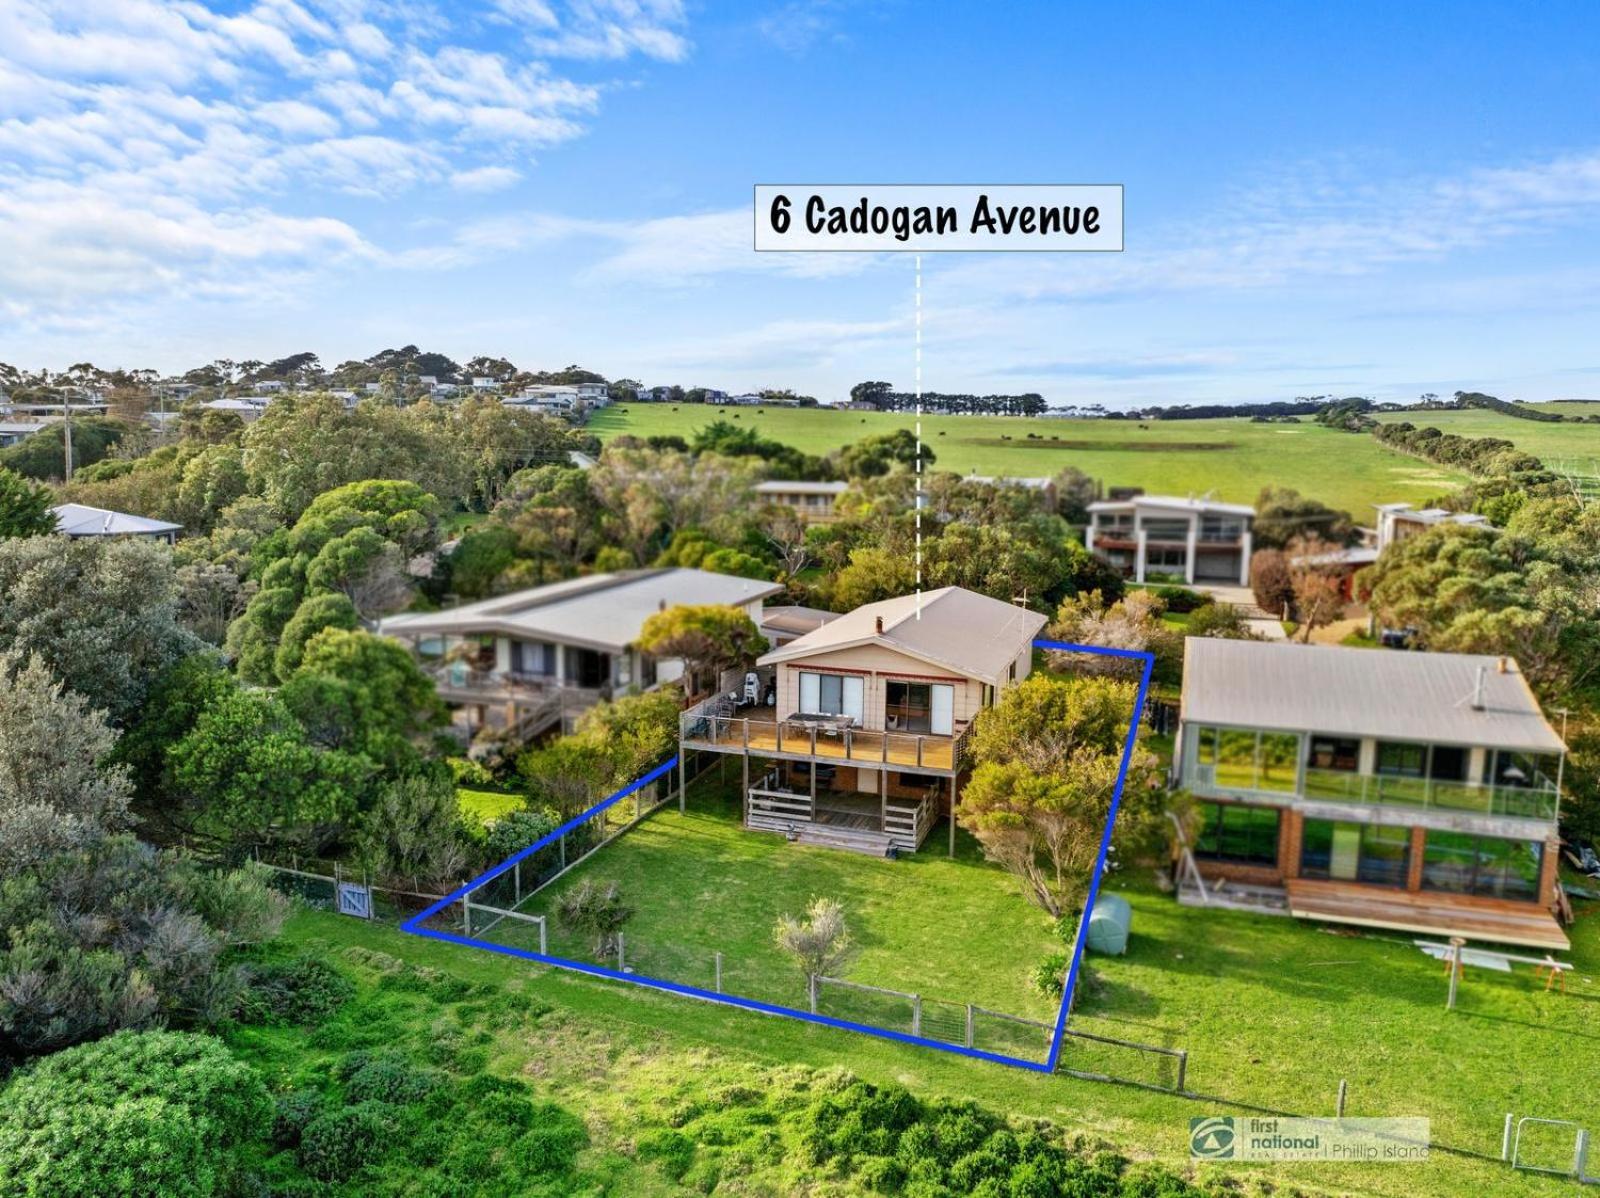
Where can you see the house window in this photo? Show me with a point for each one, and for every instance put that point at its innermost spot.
(1402, 760)
(1378, 854)
(1461, 863)
(1335, 753)
(1236, 833)
(918, 707)
(831, 694)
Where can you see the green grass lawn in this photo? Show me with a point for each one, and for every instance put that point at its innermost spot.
(1276, 1011)
(700, 883)
(1233, 457)
(486, 806)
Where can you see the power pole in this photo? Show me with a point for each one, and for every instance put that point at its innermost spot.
(67, 439)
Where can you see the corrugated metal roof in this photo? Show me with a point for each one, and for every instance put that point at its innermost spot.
(1173, 502)
(601, 611)
(971, 634)
(1363, 692)
(81, 520)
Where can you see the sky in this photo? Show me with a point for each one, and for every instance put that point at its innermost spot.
(1355, 199)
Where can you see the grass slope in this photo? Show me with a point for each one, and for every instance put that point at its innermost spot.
(1576, 444)
(700, 884)
(1234, 458)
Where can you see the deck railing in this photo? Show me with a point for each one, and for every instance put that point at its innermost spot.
(1539, 801)
(702, 726)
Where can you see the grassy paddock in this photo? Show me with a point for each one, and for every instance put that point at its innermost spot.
(1233, 457)
(1578, 445)
(954, 929)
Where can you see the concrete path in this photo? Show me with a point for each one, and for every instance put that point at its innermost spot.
(1265, 625)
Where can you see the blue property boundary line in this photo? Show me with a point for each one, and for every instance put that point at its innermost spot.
(414, 926)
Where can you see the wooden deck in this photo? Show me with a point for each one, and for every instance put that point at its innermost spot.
(1494, 921)
(916, 751)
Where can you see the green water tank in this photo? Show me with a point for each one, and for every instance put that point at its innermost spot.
(1109, 923)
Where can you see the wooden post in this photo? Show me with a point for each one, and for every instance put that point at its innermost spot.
(813, 769)
(883, 799)
(561, 844)
(683, 775)
(719, 973)
(621, 961)
(916, 1014)
(952, 815)
(1455, 971)
(1344, 1090)
(969, 1025)
(813, 989)
(516, 877)
(744, 791)
(544, 943)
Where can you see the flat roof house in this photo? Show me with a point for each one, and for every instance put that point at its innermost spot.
(80, 520)
(540, 657)
(811, 501)
(1412, 791)
(863, 742)
(1192, 540)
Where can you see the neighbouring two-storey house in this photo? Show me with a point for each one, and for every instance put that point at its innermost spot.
(813, 502)
(1188, 540)
(536, 659)
(1411, 791)
(863, 744)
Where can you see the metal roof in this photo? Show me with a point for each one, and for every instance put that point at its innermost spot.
(80, 520)
(1363, 692)
(602, 611)
(1174, 502)
(785, 487)
(971, 634)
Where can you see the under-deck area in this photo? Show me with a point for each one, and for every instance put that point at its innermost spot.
(1472, 917)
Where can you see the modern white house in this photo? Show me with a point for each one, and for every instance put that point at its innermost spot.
(1190, 540)
(80, 520)
(535, 659)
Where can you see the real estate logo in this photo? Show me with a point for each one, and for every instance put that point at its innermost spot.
(1224, 1137)
(1212, 1139)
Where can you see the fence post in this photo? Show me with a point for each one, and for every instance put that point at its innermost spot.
(969, 1026)
(516, 871)
(466, 912)
(916, 1014)
(621, 963)
(544, 945)
(1455, 971)
(813, 989)
(1344, 1089)
(1183, 1068)
(1505, 1139)
(561, 843)
(719, 973)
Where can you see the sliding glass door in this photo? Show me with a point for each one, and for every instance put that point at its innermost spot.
(1335, 851)
(919, 707)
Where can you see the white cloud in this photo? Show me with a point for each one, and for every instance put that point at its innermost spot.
(240, 124)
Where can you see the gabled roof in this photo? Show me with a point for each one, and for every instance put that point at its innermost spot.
(1363, 692)
(602, 611)
(80, 520)
(964, 632)
(777, 486)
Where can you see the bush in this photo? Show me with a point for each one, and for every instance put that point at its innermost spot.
(1048, 977)
(304, 990)
(470, 774)
(291, 1114)
(157, 1113)
(1181, 600)
(385, 1076)
(338, 1144)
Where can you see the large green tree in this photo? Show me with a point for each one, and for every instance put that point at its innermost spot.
(24, 507)
(707, 637)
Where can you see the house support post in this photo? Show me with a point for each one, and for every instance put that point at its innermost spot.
(683, 775)
(744, 792)
(952, 815)
(883, 800)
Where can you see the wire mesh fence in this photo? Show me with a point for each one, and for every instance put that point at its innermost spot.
(1086, 1054)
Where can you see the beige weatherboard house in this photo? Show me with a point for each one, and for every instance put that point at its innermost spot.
(1417, 792)
(538, 658)
(864, 742)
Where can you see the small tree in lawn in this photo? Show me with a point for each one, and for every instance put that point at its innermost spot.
(595, 909)
(1318, 593)
(818, 943)
(708, 637)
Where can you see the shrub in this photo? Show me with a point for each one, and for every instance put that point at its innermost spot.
(671, 1150)
(552, 1144)
(1048, 976)
(470, 774)
(304, 990)
(1181, 600)
(385, 1076)
(291, 1114)
(136, 1113)
(338, 1144)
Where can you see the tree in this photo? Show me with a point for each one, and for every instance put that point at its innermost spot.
(595, 909)
(414, 831)
(877, 455)
(58, 787)
(820, 942)
(1271, 581)
(1317, 586)
(247, 773)
(138, 1113)
(1133, 622)
(873, 574)
(315, 615)
(1047, 760)
(359, 693)
(42, 455)
(1283, 514)
(100, 612)
(708, 637)
(24, 507)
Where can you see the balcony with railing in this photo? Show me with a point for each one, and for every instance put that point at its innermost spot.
(460, 681)
(1537, 799)
(718, 727)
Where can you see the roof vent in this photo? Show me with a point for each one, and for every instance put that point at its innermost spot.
(879, 622)
(1478, 688)
(661, 605)
(1505, 665)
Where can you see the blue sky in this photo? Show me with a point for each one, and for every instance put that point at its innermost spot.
(1362, 199)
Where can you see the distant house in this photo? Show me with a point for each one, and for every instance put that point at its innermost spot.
(863, 742)
(1415, 792)
(247, 408)
(1396, 522)
(270, 386)
(1191, 540)
(748, 400)
(1045, 488)
(583, 461)
(538, 658)
(563, 403)
(80, 520)
(427, 382)
(483, 383)
(783, 624)
(811, 501)
(12, 431)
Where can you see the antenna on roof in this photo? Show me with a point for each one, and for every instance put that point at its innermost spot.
(1478, 688)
